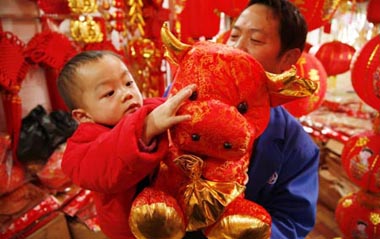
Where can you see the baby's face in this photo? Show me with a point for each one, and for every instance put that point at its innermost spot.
(109, 90)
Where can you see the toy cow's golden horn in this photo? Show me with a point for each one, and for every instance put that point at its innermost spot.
(175, 49)
(287, 86)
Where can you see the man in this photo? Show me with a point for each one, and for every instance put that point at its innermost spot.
(283, 174)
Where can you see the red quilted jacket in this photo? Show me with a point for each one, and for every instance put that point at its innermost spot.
(111, 163)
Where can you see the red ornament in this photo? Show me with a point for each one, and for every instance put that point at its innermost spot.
(335, 56)
(317, 12)
(360, 160)
(365, 74)
(199, 18)
(358, 215)
(54, 7)
(308, 66)
(373, 11)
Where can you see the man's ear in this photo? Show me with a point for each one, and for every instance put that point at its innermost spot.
(81, 116)
(290, 58)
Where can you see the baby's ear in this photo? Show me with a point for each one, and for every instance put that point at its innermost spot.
(81, 116)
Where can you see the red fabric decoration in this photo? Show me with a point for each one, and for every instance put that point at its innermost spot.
(51, 175)
(360, 160)
(154, 18)
(317, 13)
(373, 11)
(12, 174)
(335, 56)
(358, 215)
(365, 74)
(199, 18)
(232, 8)
(54, 6)
(42, 49)
(13, 69)
(308, 66)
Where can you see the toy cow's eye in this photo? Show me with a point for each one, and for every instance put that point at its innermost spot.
(193, 96)
(195, 137)
(227, 145)
(242, 107)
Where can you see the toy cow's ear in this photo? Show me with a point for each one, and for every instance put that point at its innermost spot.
(174, 49)
(287, 86)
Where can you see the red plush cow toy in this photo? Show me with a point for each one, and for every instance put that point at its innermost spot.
(200, 185)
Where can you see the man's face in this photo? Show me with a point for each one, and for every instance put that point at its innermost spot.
(108, 90)
(256, 31)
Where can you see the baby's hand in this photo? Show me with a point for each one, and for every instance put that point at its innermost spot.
(164, 116)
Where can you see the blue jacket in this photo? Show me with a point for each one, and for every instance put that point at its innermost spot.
(283, 176)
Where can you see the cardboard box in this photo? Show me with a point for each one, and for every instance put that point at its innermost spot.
(55, 228)
(80, 231)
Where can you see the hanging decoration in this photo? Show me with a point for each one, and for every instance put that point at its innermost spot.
(317, 13)
(42, 50)
(135, 17)
(145, 59)
(54, 7)
(358, 215)
(86, 30)
(80, 7)
(373, 11)
(154, 15)
(360, 158)
(199, 18)
(13, 69)
(308, 66)
(335, 56)
(232, 8)
(365, 74)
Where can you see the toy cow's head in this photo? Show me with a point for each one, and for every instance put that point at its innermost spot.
(231, 105)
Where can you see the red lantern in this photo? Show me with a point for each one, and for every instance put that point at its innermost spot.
(365, 74)
(373, 11)
(360, 160)
(232, 8)
(335, 56)
(308, 66)
(358, 215)
(317, 12)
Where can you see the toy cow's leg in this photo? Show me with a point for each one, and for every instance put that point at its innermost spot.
(242, 219)
(156, 215)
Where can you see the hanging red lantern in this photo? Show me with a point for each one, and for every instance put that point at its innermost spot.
(335, 56)
(308, 66)
(199, 18)
(360, 160)
(317, 12)
(365, 74)
(232, 8)
(373, 11)
(358, 215)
